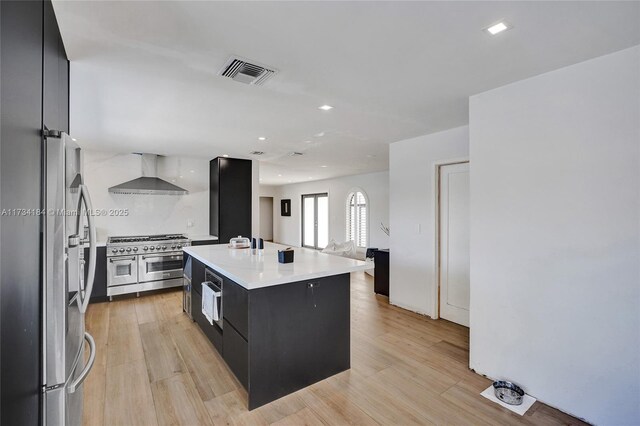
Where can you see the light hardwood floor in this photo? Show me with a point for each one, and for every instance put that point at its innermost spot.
(155, 367)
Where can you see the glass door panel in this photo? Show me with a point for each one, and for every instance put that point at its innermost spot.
(315, 221)
(308, 221)
(322, 221)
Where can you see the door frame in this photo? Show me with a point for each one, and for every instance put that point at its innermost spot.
(436, 214)
(315, 227)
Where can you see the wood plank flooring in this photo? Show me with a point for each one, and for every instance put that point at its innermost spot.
(155, 367)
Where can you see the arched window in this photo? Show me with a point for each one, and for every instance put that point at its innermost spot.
(357, 218)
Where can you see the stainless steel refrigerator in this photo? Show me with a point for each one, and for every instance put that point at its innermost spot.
(68, 228)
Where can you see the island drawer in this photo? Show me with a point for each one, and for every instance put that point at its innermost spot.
(236, 353)
(236, 306)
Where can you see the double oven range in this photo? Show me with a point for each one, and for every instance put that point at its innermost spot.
(143, 263)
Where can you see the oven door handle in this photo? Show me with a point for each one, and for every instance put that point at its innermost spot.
(122, 260)
(172, 257)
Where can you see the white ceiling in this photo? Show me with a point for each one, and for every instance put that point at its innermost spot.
(144, 74)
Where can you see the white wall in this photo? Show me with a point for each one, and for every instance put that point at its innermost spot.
(287, 229)
(148, 214)
(412, 189)
(555, 237)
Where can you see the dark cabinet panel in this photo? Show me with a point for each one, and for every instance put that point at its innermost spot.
(299, 334)
(20, 249)
(381, 276)
(230, 198)
(214, 197)
(236, 353)
(56, 75)
(197, 277)
(236, 306)
(203, 242)
(99, 293)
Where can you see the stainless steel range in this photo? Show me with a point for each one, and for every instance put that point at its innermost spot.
(142, 263)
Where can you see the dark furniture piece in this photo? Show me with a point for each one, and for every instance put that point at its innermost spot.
(34, 95)
(282, 338)
(230, 184)
(381, 276)
(99, 293)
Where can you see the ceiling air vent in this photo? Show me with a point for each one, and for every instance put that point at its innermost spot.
(257, 152)
(243, 71)
(294, 154)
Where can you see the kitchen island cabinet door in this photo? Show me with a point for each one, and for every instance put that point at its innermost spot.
(236, 353)
(236, 306)
(299, 334)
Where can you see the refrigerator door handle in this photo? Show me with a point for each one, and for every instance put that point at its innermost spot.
(73, 386)
(86, 199)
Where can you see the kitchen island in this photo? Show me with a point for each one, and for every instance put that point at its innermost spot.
(283, 326)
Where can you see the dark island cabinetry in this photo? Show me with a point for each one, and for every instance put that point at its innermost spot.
(281, 338)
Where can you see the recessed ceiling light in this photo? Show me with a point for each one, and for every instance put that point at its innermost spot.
(74, 139)
(225, 155)
(498, 28)
(192, 171)
(180, 176)
(262, 138)
(310, 177)
(279, 175)
(323, 166)
(319, 135)
(325, 107)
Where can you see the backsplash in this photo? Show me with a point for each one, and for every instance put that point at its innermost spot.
(148, 214)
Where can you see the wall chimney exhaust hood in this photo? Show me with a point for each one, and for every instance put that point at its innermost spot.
(149, 182)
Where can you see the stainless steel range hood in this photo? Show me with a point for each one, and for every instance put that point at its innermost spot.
(149, 182)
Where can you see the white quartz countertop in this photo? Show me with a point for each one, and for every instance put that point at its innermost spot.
(257, 271)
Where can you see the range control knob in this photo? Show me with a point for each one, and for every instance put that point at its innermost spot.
(164, 247)
(114, 250)
(179, 246)
(121, 250)
(145, 248)
(173, 246)
(135, 249)
(157, 247)
(152, 248)
(128, 249)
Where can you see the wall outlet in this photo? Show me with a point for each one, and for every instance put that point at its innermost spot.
(189, 223)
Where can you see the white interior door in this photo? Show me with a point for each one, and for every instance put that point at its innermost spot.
(454, 243)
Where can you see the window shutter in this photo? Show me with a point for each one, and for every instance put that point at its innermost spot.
(357, 219)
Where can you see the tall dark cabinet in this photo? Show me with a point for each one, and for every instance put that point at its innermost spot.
(229, 198)
(34, 93)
